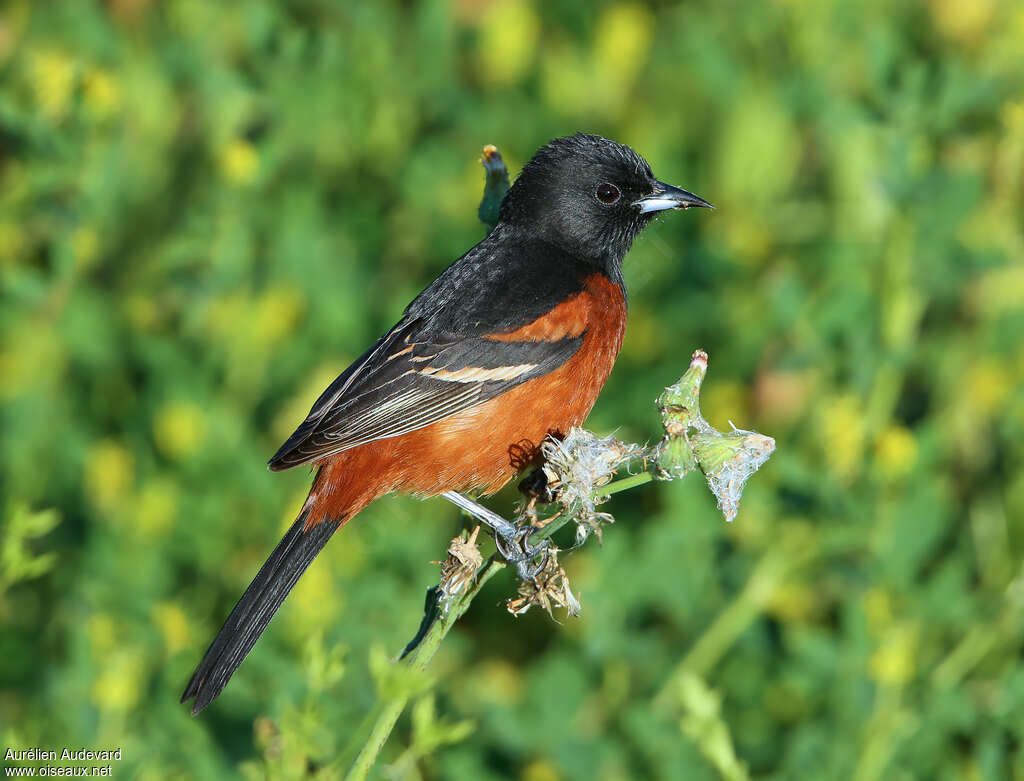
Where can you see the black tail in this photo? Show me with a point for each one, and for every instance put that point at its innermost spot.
(254, 610)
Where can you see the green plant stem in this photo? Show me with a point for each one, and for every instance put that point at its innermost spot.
(625, 483)
(418, 659)
(389, 710)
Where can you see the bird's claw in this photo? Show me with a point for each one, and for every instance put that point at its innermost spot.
(516, 549)
(512, 540)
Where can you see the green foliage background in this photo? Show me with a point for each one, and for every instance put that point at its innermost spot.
(207, 211)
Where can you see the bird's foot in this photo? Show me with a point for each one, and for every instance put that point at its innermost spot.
(518, 552)
(512, 540)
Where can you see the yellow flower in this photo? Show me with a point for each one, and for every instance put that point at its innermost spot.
(179, 429)
(12, 242)
(85, 246)
(275, 315)
(141, 311)
(173, 625)
(1013, 116)
(109, 472)
(623, 38)
(621, 45)
(999, 291)
(792, 602)
(988, 386)
(315, 599)
(842, 431)
(100, 630)
(223, 315)
(239, 161)
(118, 686)
(894, 663)
(53, 79)
(102, 95)
(32, 358)
(157, 506)
(508, 38)
(722, 401)
(964, 22)
(877, 610)
(541, 770)
(895, 451)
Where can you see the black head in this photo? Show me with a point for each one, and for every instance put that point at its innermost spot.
(589, 196)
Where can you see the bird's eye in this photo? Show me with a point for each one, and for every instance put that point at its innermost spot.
(607, 193)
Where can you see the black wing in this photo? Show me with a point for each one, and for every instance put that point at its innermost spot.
(409, 380)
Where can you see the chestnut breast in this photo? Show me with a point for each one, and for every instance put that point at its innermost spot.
(485, 446)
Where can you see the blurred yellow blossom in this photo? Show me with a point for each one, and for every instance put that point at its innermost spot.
(118, 686)
(157, 506)
(508, 38)
(32, 358)
(100, 630)
(275, 315)
(315, 601)
(85, 245)
(541, 770)
(239, 161)
(895, 451)
(52, 74)
(985, 228)
(998, 291)
(723, 400)
(623, 38)
(350, 559)
(960, 20)
(12, 242)
(179, 429)
(988, 385)
(877, 610)
(842, 435)
(894, 662)
(223, 313)
(1013, 116)
(101, 93)
(109, 472)
(621, 47)
(794, 602)
(141, 311)
(173, 624)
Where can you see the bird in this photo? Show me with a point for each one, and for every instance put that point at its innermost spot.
(511, 344)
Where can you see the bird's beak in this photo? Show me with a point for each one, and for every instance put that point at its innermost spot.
(665, 196)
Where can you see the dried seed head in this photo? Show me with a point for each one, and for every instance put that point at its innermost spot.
(459, 570)
(728, 460)
(576, 467)
(550, 588)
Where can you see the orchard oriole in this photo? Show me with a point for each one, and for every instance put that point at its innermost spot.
(511, 343)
